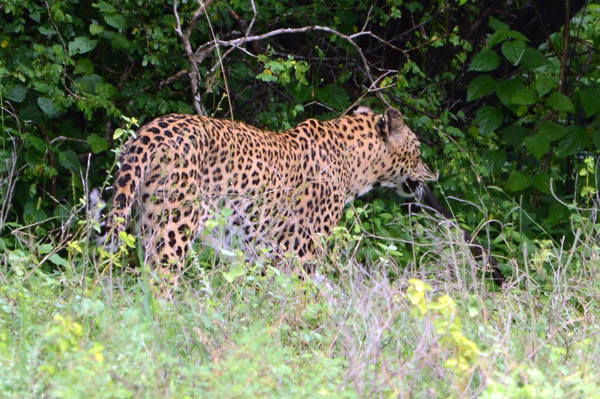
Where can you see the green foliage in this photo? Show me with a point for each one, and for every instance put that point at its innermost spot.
(99, 334)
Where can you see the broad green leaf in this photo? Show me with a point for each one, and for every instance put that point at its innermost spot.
(226, 212)
(533, 59)
(497, 37)
(596, 138)
(513, 50)
(541, 181)
(334, 96)
(117, 40)
(518, 181)
(266, 76)
(88, 84)
(505, 90)
(81, 45)
(560, 102)
(480, 86)
(514, 135)
(575, 140)
(105, 8)
(237, 270)
(486, 60)
(97, 143)
(117, 21)
(455, 132)
(494, 159)
(590, 99)
(31, 213)
(96, 29)
(488, 119)
(84, 66)
(58, 260)
(36, 142)
(551, 131)
(16, 93)
(544, 84)
(69, 160)
(49, 106)
(498, 25)
(513, 34)
(537, 145)
(524, 97)
(45, 248)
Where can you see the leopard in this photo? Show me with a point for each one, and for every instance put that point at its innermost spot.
(285, 191)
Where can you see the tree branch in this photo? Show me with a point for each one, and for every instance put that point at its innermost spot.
(185, 37)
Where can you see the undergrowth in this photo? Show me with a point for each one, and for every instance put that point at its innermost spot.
(428, 325)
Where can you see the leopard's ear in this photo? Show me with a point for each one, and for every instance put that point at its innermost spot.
(394, 123)
(362, 110)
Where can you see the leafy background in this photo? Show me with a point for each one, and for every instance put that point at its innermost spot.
(504, 97)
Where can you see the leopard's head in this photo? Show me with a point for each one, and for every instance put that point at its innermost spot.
(402, 147)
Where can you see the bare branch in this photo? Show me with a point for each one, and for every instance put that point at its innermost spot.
(237, 43)
(197, 56)
(193, 59)
(173, 78)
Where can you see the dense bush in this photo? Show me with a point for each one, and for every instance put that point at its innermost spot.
(510, 121)
(504, 96)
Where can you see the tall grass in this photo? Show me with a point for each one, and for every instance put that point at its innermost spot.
(433, 326)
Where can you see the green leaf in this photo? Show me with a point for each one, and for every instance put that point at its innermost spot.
(560, 102)
(105, 8)
(524, 97)
(45, 248)
(544, 84)
(117, 21)
(505, 90)
(590, 99)
(513, 34)
(486, 60)
(596, 138)
(96, 29)
(541, 181)
(31, 213)
(488, 119)
(237, 270)
(537, 145)
(533, 59)
(551, 131)
(49, 106)
(97, 143)
(513, 50)
(497, 37)
(16, 93)
(498, 25)
(266, 77)
(514, 135)
(69, 160)
(455, 132)
(333, 96)
(81, 45)
(84, 66)
(575, 140)
(494, 160)
(88, 84)
(58, 260)
(518, 181)
(480, 86)
(117, 40)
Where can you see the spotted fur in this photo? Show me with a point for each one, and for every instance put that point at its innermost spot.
(285, 189)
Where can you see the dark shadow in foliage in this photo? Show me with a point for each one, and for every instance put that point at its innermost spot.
(479, 252)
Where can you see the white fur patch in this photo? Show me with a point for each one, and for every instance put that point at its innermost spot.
(362, 110)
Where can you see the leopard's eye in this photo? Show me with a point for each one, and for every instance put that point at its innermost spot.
(381, 122)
